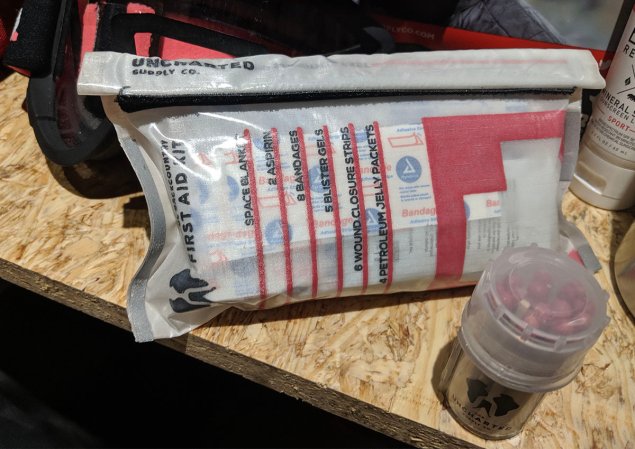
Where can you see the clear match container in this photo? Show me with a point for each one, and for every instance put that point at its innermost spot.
(532, 318)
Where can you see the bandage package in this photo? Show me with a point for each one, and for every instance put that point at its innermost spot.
(272, 180)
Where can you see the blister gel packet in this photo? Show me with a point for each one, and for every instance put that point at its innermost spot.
(272, 180)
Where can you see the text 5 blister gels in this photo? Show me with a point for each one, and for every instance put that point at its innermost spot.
(273, 180)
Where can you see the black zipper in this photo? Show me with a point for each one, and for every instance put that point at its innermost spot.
(136, 102)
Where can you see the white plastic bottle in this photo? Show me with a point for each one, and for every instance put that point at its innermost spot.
(605, 174)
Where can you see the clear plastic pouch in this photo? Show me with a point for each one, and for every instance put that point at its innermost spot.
(272, 180)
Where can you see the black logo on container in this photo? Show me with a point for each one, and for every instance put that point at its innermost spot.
(196, 289)
(480, 398)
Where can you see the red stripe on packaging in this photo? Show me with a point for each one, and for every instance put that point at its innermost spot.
(284, 221)
(336, 211)
(384, 181)
(309, 215)
(253, 190)
(362, 207)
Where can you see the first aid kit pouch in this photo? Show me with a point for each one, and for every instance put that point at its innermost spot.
(272, 180)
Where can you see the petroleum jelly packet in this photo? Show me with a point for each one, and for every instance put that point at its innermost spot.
(272, 180)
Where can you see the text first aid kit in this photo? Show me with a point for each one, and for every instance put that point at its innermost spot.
(272, 180)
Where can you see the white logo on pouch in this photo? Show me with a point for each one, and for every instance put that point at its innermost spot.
(408, 169)
(233, 188)
(315, 180)
(372, 221)
(274, 233)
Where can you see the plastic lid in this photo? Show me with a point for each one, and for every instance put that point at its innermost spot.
(602, 183)
(533, 316)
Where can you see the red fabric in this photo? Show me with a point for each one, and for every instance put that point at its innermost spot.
(81, 7)
(437, 37)
(142, 40)
(168, 48)
(8, 12)
(466, 158)
(89, 28)
(4, 36)
(90, 22)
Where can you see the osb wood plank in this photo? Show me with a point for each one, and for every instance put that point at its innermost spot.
(50, 229)
(372, 360)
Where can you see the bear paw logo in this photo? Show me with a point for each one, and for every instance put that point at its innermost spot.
(196, 289)
(479, 396)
